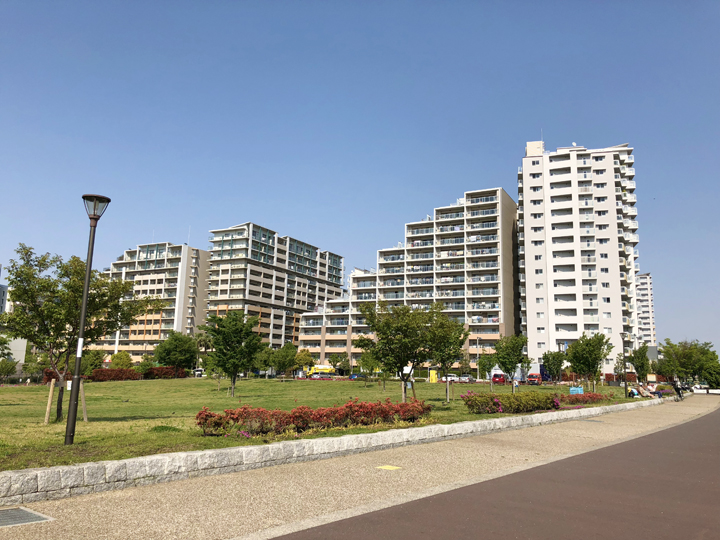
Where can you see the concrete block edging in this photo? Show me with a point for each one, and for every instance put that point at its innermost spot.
(33, 485)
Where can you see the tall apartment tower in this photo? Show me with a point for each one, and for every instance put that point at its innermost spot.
(461, 256)
(577, 251)
(646, 310)
(270, 276)
(169, 271)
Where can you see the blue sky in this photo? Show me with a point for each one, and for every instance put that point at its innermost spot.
(337, 122)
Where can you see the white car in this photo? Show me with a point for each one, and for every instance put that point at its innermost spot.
(451, 377)
(467, 378)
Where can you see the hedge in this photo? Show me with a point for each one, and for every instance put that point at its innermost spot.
(522, 402)
(114, 374)
(248, 421)
(165, 373)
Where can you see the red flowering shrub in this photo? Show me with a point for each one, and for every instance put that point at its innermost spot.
(49, 375)
(165, 373)
(112, 374)
(254, 421)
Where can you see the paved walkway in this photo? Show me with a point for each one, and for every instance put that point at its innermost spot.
(266, 503)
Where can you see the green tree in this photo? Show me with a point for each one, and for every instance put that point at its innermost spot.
(7, 368)
(32, 367)
(587, 354)
(91, 360)
(303, 359)
(234, 342)
(212, 370)
(486, 363)
(121, 360)
(640, 362)
(370, 365)
(465, 367)
(5, 352)
(47, 292)
(554, 362)
(203, 342)
(344, 365)
(711, 375)
(401, 337)
(509, 354)
(445, 339)
(263, 360)
(620, 367)
(178, 351)
(146, 364)
(283, 360)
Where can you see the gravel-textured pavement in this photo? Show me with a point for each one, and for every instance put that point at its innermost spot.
(265, 503)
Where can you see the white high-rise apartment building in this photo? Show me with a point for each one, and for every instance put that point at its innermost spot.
(273, 277)
(577, 252)
(461, 256)
(164, 270)
(646, 310)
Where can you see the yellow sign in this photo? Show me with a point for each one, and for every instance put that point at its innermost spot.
(433, 375)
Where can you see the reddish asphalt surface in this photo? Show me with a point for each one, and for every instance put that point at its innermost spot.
(663, 485)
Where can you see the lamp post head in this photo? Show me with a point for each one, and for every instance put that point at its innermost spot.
(95, 206)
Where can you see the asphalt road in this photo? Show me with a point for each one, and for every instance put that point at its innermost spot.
(662, 485)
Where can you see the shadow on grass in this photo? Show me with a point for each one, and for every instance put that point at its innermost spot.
(92, 418)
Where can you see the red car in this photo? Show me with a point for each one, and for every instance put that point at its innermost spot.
(498, 378)
(534, 378)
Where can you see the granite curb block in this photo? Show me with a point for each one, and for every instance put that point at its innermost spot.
(32, 485)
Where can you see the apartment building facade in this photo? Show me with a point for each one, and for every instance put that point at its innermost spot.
(646, 310)
(276, 278)
(462, 256)
(169, 271)
(578, 247)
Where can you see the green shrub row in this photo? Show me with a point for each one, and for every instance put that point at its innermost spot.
(522, 402)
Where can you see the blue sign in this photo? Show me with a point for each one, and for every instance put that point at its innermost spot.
(576, 390)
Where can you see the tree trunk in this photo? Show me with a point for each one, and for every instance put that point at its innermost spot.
(491, 384)
(232, 385)
(412, 386)
(383, 382)
(61, 389)
(404, 391)
(447, 389)
(218, 379)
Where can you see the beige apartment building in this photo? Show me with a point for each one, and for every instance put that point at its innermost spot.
(276, 278)
(461, 256)
(169, 271)
(646, 310)
(577, 253)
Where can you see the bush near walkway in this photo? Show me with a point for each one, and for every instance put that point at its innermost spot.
(526, 402)
(248, 421)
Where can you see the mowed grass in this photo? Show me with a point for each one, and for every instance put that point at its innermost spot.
(136, 418)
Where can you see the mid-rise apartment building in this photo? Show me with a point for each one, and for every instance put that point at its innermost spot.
(577, 253)
(461, 256)
(646, 310)
(169, 271)
(270, 276)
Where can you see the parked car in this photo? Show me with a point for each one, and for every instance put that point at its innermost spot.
(357, 376)
(467, 378)
(450, 377)
(498, 378)
(321, 376)
(534, 378)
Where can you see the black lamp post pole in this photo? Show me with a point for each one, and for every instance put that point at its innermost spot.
(75, 389)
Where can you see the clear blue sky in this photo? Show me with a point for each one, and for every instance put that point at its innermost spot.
(337, 122)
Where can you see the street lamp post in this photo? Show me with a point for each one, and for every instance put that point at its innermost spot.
(95, 206)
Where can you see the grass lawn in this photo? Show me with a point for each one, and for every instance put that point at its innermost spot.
(135, 418)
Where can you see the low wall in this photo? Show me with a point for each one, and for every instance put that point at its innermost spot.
(32, 485)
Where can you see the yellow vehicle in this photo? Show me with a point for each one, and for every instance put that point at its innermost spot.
(328, 370)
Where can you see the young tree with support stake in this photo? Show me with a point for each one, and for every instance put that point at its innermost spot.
(401, 338)
(47, 292)
(554, 362)
(587, 354)
(446, 339)
(235, 343)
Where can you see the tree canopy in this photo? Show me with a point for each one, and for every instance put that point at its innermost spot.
(586, 355)
(235, 343)
(509, 354)
(640, 362)
(686, 359)
(121, 360)
(554, 362)
(178, 351)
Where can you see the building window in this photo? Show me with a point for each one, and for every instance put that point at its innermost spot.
(540, 344)
(604, 271)
(602, 241)
(601, 212)
(540, 314)
(606, 300)
(601, 171)
(605, 285)
(535, 189)
(539, 300)
(537, 229)
(536, 202)
(538, 271)
(600, 199)
(601, 185)
(607, 315)
(536, 216)
(603, 255)
(536, 175)
(598, 158)
(537, 243)
(607, 330)
(538, 257)
(536, 162)
(602, 227)
(541, 330)
(539, 285)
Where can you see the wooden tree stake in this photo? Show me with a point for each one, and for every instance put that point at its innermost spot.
(50, 399)
(82, 398)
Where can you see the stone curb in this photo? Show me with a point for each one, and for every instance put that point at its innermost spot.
(33, 485)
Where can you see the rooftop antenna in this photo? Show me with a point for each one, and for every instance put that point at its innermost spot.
(574, 144)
